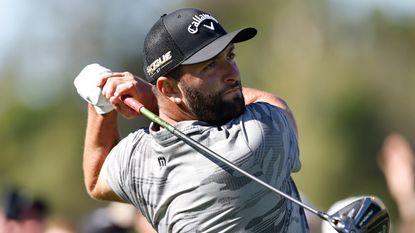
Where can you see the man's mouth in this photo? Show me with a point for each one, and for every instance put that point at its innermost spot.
(234, 88)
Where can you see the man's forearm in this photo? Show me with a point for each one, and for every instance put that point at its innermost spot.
(101, 136)
(253, 95)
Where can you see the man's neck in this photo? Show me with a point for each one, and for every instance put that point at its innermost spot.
(173, 113)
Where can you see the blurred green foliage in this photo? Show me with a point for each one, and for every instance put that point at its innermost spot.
(349, 84)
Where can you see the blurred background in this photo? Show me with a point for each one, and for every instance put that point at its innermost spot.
(346, 68)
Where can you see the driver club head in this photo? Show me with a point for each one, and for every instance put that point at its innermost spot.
(363, 215)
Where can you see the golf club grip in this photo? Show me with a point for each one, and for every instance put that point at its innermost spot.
(132, 103)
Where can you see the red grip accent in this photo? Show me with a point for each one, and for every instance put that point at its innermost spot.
(132, 103)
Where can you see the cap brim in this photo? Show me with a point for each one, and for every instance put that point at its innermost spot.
(218, 45)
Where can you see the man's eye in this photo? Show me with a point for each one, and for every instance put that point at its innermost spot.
(231, 56)
(210, 65)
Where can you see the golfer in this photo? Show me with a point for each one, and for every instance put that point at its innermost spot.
(193, 83)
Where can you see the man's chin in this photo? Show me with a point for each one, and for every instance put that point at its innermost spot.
(221, 111)
(233, 110)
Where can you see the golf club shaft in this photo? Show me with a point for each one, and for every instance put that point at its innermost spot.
(138, 107)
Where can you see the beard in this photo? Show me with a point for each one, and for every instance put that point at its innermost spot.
(212, 107)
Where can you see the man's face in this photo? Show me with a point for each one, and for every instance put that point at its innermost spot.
(212, 90)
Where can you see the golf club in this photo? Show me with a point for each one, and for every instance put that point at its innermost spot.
(365, 215)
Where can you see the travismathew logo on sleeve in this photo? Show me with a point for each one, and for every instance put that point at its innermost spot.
(162, 161)
(197, 21)
(159, 63)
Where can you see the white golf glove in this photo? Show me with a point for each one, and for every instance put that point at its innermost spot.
(86, 85)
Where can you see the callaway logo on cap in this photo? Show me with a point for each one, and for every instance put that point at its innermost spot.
(186, 36)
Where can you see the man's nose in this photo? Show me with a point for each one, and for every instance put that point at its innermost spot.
(231, 73)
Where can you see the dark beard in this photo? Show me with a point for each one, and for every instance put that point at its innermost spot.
(211, 107)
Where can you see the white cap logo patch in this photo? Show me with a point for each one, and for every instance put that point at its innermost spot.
(198, 20)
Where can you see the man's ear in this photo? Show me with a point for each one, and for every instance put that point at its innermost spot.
(168, 87)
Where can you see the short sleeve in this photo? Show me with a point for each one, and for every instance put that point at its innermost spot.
(116, 168)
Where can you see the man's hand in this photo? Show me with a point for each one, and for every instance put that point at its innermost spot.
(86, 86)
(115, 86)
(397, 163)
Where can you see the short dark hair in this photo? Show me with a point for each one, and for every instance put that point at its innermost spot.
(176, 73)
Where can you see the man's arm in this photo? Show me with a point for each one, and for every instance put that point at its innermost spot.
(101, 136)
(102, 130)
(253, 95)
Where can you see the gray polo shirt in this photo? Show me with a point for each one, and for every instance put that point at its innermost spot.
(179, 190)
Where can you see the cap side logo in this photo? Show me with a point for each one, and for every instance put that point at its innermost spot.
(159, 63)
(198, 20)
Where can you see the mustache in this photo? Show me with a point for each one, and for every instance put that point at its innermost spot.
(232, 86)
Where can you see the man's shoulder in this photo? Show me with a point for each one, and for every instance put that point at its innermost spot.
(137, 135)
(262, 109)
(262, 105)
